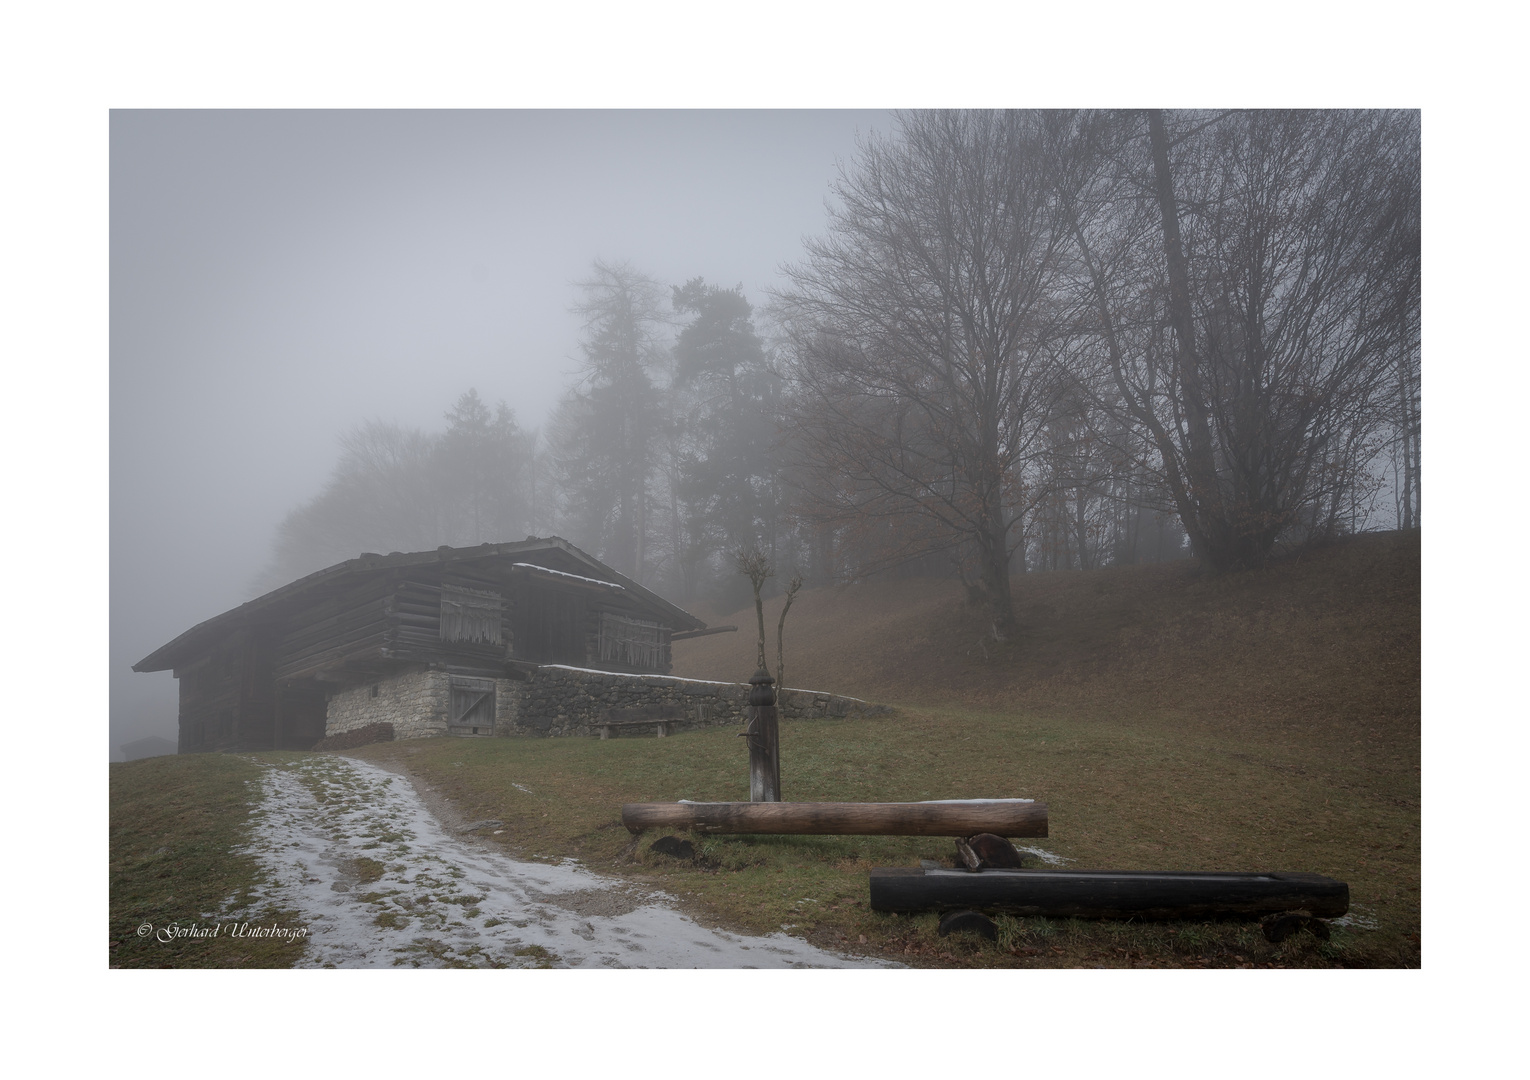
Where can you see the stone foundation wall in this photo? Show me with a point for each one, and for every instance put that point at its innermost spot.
(562, 701)
(415, 703)
(507, 705)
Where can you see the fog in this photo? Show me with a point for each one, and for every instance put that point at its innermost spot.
(279, 277)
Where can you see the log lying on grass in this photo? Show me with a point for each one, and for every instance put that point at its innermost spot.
(966, 817)
(1108, 894)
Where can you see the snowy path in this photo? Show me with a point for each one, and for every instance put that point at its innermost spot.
(378, 882)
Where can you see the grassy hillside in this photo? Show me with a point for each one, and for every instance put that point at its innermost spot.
(1331, 636)
(1265, 721)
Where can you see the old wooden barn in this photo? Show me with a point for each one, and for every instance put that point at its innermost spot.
(432, 642)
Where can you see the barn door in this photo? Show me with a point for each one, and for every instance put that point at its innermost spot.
(472, 708)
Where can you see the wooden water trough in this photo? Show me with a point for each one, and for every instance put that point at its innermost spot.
(1108, 894)
(959, 817)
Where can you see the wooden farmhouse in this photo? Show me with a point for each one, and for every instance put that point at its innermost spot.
(436, 643)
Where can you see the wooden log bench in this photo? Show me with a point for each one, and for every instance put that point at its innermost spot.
(965, 817)
(1108, 894)
(656, 716)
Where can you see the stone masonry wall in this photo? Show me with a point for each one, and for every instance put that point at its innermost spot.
(415, 703)
(561, 701)
(507, 705)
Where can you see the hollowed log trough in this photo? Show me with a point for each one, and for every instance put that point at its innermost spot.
(1003, 817)
(1108, 894)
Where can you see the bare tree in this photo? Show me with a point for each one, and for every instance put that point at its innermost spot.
(792, 589)
(1249, 283)
(755, 565)
(921, 331)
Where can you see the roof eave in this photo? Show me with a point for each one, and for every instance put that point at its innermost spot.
(169, 656)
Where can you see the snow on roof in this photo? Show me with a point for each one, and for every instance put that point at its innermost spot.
(702, 682)
(561, 573)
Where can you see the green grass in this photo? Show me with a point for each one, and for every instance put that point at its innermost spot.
(1166, 791)
(176, 825)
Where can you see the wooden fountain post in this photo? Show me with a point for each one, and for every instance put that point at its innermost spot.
(762, 733)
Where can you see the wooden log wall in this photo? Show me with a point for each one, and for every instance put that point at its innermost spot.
(228, 698)
(209, 697)
(352, 626)
(414, 610)
(382, 621)
(610, 602)
(257, 692)
(592, 602)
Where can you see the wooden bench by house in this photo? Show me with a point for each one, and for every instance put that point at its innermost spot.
(658, 716)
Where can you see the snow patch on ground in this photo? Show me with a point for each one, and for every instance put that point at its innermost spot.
(378, 882)
(1045, 856)
(1354, 919)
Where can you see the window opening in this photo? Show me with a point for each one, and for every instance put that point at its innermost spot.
(470, 615)
(633, 642)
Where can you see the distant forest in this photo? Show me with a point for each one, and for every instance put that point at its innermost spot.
(1025, 341)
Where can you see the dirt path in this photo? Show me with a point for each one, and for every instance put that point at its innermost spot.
(379, 882)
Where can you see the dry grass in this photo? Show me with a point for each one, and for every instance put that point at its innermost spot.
(177, 824)
(1265, 721)
(1147, 795)
(1331, 637)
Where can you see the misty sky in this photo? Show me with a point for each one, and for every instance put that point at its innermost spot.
(278, 277)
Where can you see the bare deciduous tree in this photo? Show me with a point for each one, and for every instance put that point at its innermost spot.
(1251, 281)
(755, 565)
(792, 588)
(921, 330)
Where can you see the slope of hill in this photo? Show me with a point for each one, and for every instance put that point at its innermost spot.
(1330, 634)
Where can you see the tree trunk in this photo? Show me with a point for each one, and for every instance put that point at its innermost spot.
(1407, 516)
(993, 551)
(1207, 522)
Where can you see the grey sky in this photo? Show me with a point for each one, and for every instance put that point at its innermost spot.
(277, 277)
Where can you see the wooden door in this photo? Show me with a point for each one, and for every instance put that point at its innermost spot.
(472, 707)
